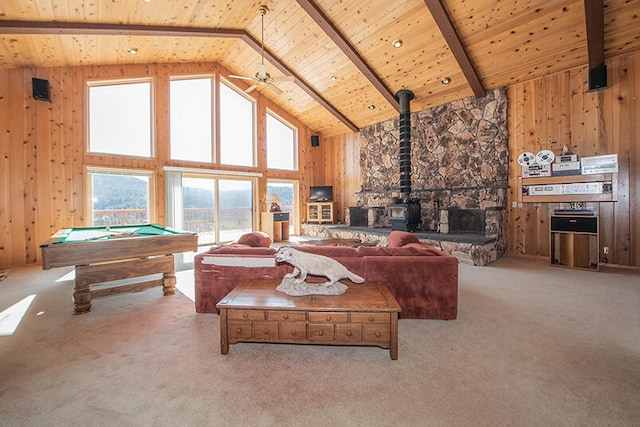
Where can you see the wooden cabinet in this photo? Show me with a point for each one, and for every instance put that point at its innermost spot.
(608, 180)
(320, 212)
(575, 241)
(276, 225)
(366, 314)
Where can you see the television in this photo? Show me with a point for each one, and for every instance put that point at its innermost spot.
(322, 193)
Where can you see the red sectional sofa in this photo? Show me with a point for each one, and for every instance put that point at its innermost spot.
(423, 279)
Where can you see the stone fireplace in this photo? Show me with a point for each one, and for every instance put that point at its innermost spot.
(459, 170)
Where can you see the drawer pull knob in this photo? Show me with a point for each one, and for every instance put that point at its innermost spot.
(293, 333)
(348, 333)
(328, 318)
(377, 334)
(238, 330)
(321, 333)
(371, 319)
(245, 315)
(286, 317)
(266, 331)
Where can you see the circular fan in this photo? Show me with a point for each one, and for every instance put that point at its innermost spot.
(262, 78)
(526, 159)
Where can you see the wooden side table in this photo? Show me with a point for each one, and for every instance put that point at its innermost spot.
(366, 314)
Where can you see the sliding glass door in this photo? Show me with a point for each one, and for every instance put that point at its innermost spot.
(219, 209)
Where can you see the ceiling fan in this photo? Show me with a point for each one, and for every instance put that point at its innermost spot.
(262, 78)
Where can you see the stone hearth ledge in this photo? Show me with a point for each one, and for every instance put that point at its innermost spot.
(468, 248)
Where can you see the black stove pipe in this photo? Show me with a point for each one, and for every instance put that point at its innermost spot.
(404, 96)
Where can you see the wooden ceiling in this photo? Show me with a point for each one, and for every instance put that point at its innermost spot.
(489, 44)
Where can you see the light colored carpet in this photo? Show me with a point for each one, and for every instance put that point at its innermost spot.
(533, 345)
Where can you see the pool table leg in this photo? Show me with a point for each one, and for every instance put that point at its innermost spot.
(169, 283)
(81, 299)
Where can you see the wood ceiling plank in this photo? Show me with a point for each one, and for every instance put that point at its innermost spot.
(345, 46)
(455, 44)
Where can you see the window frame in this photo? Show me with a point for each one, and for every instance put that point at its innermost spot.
(214, 114)
(91, 169)
(113, 82)
(254, 124)
(295, 149)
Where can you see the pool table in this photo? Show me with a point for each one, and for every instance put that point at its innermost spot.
(107, 254)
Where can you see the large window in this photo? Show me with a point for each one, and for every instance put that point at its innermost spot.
(236, 128)
(120, 118)
(190, 119)
(286, 192)
(120, 197)
(281, 144)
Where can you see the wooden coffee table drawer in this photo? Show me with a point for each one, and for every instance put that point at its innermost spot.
(328, 317)
(370, 317)
(239, 331)
(324, 332)
(349, 332)
(265, 331)
(293, 331)
(246, 315)
(377, 333)
(287, 316)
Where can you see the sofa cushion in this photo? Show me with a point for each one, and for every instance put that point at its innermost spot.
(240, 249)
(398, 238)
(330, 251)
(256, 239)
(411, 249)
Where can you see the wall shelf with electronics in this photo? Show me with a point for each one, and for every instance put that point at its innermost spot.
(570, 188)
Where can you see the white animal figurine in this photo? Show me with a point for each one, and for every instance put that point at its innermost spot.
(317, 265)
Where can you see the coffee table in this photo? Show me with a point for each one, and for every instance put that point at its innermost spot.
(366, 314)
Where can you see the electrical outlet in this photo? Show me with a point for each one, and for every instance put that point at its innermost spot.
(605, 250)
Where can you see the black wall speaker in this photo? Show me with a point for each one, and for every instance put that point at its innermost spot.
(40, 89)
(598, 78)
(315, 140)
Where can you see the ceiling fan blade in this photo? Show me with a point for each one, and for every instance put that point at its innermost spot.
(284, 79)
(242, 77)
(262, 70)
(274, 88)
(251, 88)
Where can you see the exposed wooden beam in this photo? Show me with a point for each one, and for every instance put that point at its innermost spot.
(83, 28)
(594, 18)
(455, 44)
(334, 34)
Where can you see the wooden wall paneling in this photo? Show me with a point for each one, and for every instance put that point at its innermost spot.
(618, 133)
(531, 141)
(515, 219)
(76, 143)
(18, 167)
(5, 170)
(634, 159)
(45, 177)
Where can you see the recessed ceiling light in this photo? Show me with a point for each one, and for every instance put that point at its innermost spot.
(372, 107)
(291, 100)
(397, 43)
(446, 80)
(333, 77)
(132, 50)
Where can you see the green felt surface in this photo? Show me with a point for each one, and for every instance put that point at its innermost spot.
(83, 234)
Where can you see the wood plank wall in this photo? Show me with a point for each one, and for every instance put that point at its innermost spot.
(43, 159)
